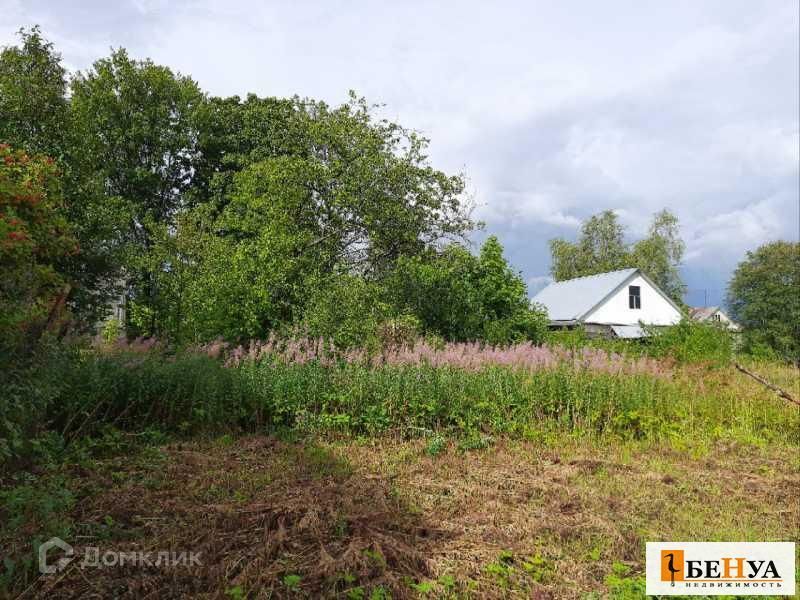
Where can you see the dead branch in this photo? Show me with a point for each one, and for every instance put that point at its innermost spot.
(782, 393)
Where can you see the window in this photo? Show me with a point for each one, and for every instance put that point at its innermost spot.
(634, 296)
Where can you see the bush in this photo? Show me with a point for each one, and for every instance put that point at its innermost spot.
(690, 341)
(348, 311)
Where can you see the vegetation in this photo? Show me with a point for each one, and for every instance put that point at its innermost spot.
(764, 297)
(361, 461)
(34, 239)
(601, 247)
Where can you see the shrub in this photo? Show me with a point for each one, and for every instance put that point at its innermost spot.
(348, 311)
(690, 341)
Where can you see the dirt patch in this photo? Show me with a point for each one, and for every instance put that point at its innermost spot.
(267, 517)
(349, 520)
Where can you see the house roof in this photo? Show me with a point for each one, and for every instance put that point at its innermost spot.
(628, 332)
(702, 313)
(570, 300)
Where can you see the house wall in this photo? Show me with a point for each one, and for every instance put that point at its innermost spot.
(655, 310)
(723, 318)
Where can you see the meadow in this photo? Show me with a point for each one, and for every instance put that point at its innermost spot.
(432, 470)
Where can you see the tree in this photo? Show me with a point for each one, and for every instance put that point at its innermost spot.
(296, 193)
(463, 297)
(136, 123)
(601, 248)
(36, 115)
(33, 105)
(368, 180)
(34, 238)
(661, 253)
(764, 297)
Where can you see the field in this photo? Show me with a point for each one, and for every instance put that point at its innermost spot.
(510, 475)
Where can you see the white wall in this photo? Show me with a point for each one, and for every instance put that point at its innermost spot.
(723, 318)
(655, 310)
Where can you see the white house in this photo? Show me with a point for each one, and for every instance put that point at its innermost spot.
(614, 304)
(713, 314)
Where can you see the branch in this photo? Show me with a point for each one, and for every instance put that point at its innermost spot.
(782, 393)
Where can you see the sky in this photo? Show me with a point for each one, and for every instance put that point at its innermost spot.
(553, 111)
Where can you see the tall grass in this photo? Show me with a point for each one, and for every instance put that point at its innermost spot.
(519, 391)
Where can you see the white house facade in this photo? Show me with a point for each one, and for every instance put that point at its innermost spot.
(713, 314)
(616, 303)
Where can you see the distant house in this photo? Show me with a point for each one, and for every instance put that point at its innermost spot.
(713, 314)
(613, 304)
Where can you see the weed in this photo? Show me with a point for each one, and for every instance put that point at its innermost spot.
(436, 445)
(292, 581)
(622, 585)
(235, 593)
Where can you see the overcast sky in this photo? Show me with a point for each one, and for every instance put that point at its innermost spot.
(553, 110)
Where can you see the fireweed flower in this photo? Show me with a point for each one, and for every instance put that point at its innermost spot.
(467, 356)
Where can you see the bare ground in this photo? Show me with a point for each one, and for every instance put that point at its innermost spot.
(553, 518)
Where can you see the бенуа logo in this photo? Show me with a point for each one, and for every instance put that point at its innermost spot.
(720, 568)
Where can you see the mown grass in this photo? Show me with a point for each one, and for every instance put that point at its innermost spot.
(565, 516)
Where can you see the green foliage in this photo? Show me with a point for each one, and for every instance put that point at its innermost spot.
(292, 582)
(764, 298)
(112, 330)
(601, 247)
(79, 394)
(135, 122)
(436, 445)
(347, 310)
(690, 341)
(33, 100)
(660, 254)
(71, 393)
(463, 297)
(622, 585)
(34, 238)
(348, 194)
(235, 593)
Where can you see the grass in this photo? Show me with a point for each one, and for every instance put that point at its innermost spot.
(562, 517)
(454, 477)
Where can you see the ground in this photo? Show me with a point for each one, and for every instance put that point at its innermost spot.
(556, 517)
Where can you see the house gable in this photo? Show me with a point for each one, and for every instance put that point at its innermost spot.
(655, 308)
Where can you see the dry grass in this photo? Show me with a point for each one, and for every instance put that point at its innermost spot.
(550, 518)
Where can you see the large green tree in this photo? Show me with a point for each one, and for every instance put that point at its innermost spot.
(35, 115)
(136, 122)
(764, 297)
(601, 247)
(290, 195)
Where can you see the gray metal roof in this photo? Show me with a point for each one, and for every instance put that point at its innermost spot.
(628, 332)
(702, 313)
(571, 299)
